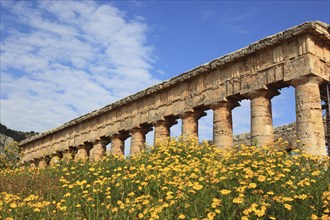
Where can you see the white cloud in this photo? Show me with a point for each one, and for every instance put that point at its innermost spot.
(59, 61)
(231, 20)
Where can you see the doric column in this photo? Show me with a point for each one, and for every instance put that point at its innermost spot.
(42, 164)
(190, 123)
(223, 123)
(55, 158)
(138, 137)
(33, 164)
(98, 150)
(327, 127)
(310, 129)
(67, 155)
(118, 143)
(262, 132)
(82, 154)
(162, 129)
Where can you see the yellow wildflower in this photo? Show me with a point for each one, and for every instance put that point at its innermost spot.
(287, 206)
(225, 191)
(67, 194)
(316, 173)
(287, 199)
(197, 186)
(238, 200)
(325, 217)
(211, 215)
(13, 205)
(182, 216)
(302, 196)
(63, 208)
(260, 212)
(314, 217)
(216, 202)
(131, 194)
(145, 202)
(261, 178)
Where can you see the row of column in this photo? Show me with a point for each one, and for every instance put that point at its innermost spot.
(309, 121)
(310, 130)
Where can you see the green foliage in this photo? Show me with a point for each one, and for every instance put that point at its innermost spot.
(176, 180)
(16, 135)
(10, 155)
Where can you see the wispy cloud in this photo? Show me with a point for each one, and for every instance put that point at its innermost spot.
(59, 61)
(229, 19)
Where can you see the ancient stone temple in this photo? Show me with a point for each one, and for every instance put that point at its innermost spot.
(297, 57)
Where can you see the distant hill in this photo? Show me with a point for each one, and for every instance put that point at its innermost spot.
(8, 135)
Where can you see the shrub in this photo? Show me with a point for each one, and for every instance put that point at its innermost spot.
(10, 155)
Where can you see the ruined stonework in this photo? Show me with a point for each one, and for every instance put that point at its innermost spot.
(298, 57)
(287, 133)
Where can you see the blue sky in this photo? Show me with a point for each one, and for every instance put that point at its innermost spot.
(62, 59)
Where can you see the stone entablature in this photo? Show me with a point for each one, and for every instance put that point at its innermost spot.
(298, 57)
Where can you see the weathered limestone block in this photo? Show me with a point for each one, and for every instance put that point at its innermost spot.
(222, 123)
(310, 129)
(82, 154)
(162, 129)
(55, 159)
(262, 132)
(190, 123)
(98, 151)
(138, 139)
(42, 164)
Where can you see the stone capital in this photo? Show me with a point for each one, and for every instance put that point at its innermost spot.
(86, 145)
(101, 141)
(167, 122)
(40, 158)
(266, 93)
(197, 114)
(80, 146)
(69, 150)
(230, 104)
(56, 153)
(143, 129)
(120, 135)
(306, 79)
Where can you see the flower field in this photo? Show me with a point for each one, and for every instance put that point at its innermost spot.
(176, 180)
